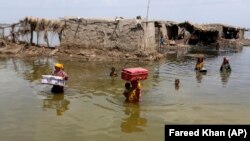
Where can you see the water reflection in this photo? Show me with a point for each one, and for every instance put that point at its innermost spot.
(114, 81)
(37, 68)
(133, 123)
(225, 77)
(199, 76)
(30, 69)
(90, 86)
(177, 87)
(157, 71)
(156, 74)
(57, 102)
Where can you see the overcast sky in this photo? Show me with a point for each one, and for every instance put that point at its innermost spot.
(233, 12)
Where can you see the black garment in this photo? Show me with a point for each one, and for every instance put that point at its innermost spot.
(225, 67)
(57, 89)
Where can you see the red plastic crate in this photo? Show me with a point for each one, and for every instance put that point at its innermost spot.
(131, 74)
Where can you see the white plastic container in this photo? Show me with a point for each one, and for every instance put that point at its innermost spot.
(52, 80)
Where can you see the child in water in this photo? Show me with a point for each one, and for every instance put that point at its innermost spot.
(132, 91)
(113, 73)
(127, 90)
(177, 84)
(225, 66)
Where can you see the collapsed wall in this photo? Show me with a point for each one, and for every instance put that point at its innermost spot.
(120, 34)
(120, 38)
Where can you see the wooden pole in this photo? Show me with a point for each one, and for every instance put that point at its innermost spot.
(148, 9)
(31, 34)
(146, 37)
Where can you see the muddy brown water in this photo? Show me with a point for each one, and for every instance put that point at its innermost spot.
(93, 107)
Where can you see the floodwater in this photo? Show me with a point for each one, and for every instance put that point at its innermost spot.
(93, 107)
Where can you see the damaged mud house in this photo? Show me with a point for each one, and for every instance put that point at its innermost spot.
(131, 37)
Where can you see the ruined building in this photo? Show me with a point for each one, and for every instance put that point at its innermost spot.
(119, 34)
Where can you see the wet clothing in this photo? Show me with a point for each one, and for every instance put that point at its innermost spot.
(199, 66)
(126, 93)
(113, 74)
(56, 88)
(135, 92)
(225, 67)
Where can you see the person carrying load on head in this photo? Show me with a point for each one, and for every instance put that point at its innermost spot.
(59, 72)
(127, 90)
(133, 89)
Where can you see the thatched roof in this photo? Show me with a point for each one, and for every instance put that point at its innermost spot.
(200, 27)
(227, 26)
(204, 27)
(43, 24)
(92, 20)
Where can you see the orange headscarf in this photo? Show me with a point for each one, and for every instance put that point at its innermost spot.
(58, 65)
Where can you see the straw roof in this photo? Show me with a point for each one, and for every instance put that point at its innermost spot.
(43, 24)
(204, 27)
(201, 27)
(210, 27)
(226, 25)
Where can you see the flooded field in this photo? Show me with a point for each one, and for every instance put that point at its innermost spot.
(93, 107)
